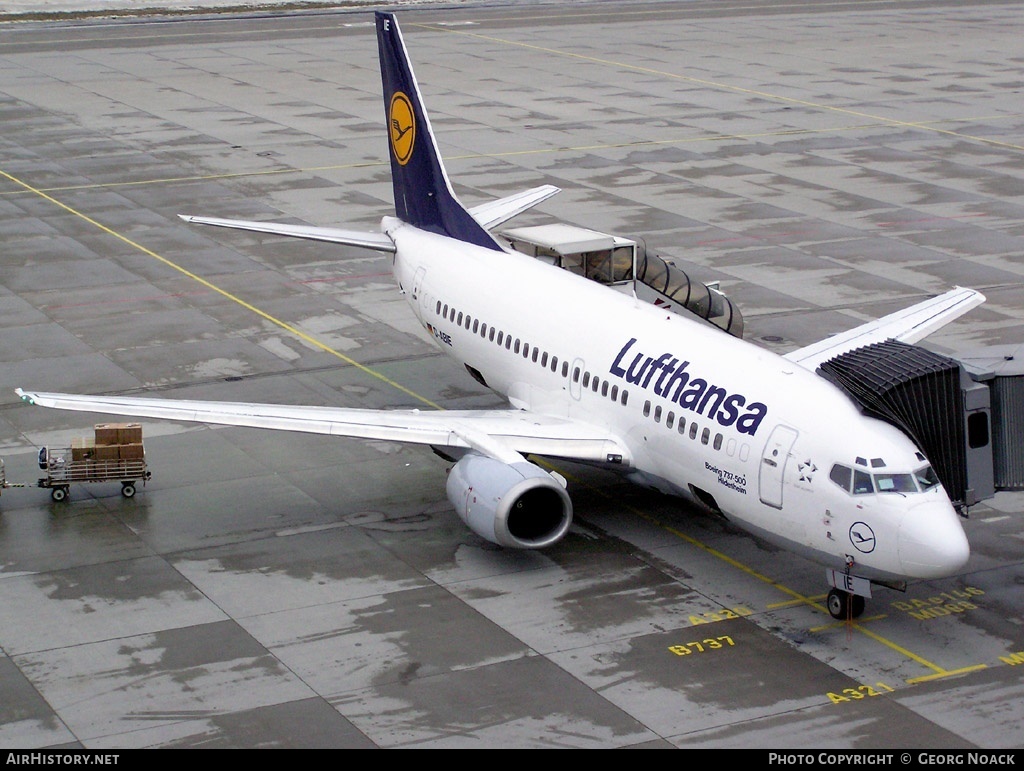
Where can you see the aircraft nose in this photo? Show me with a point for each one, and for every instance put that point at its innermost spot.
(932, 542)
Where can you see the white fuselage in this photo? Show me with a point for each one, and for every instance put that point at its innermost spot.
(705, 415)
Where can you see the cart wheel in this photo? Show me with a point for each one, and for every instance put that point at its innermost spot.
(127, 489)
(59, 493)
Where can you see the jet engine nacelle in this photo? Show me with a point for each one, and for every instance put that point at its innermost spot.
(519, 506)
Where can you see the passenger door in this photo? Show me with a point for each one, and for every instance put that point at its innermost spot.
(773, 465)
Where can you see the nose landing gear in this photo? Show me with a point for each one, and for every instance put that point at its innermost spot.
(843, 605)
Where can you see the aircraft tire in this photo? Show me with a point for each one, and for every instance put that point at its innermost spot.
(858, 605)
(837, 603)
(843, 605)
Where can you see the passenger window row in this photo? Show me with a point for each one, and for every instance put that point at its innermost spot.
(595, 384)
(681, 426)
(534, 354)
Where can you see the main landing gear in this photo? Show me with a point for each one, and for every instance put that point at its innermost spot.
(843, 605)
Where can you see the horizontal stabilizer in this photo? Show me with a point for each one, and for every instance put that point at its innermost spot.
(492, 214)
(368, 240)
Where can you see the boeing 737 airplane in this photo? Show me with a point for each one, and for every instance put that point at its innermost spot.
(599, 376)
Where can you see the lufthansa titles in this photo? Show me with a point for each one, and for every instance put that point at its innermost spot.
(667, 375)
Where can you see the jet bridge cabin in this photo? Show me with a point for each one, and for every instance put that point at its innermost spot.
(626, 265)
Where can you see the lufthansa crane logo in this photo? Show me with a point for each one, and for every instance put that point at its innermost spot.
(402, 124)
(862, 537)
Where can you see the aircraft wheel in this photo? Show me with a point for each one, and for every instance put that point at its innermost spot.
(128, 490)
(857, 605)
(837, 604)
(843, 605)
(59, 493)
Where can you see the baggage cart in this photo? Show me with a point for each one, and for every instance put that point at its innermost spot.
(114, 454)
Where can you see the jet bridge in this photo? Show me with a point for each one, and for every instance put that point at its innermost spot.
(998, 372)
(917, 391)
(627, 266)
(966, 414)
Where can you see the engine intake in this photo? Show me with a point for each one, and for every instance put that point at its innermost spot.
(518, 506)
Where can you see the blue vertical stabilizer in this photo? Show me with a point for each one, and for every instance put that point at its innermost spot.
(423, 195)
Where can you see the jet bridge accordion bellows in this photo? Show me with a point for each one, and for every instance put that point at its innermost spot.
(917, 391)
(699, 299)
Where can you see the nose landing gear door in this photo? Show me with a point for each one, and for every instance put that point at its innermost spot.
(773, 465)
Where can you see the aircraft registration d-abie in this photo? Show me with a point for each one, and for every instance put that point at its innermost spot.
(598, 375)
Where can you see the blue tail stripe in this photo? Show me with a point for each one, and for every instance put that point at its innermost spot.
(423, 194)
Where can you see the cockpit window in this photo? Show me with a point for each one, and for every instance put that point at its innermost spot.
(895, 483)
(862, 483)
(926, 477)
(841, 475)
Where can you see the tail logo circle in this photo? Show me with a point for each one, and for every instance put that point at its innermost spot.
(402, 127)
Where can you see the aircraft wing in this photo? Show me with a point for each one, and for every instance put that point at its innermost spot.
(494, 213)
(907, 326)
(369, 240)
(501, 434)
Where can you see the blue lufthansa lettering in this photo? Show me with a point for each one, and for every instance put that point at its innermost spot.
(655, 366)
(731, 405)
(691, 396)
(665, 372)
(696, 394)
(617, 370)
(680, 377)
(749, 421)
